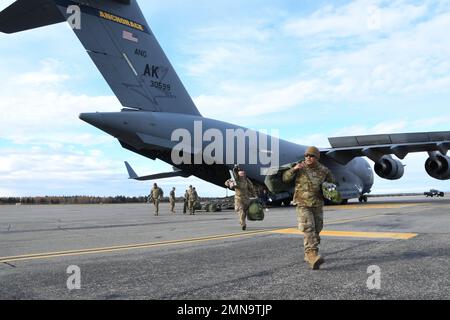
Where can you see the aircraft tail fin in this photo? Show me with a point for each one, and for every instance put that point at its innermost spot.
(25, 15)
(118, 39)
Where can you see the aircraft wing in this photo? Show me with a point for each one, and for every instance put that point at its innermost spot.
(176, 173)
(344, 149)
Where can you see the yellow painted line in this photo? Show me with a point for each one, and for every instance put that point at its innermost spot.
(372, 206)
(354, 234)
(49, 255)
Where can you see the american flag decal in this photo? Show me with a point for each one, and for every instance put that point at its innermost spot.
(129, 36)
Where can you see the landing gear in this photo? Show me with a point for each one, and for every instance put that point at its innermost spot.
(362, 199)
(276, 203)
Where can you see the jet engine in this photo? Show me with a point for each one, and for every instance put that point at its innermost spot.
(389, 168)
(438, 166)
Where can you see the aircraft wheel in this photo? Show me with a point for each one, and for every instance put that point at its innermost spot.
(362, 199)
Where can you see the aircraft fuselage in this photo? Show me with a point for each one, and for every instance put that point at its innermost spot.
(208, 148)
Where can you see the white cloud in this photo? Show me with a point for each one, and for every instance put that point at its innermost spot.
(228, 50)
(36, 105)
(256, 100)
(47, 75)
(358, 18)
(380, 128)
(39, 171)
(44, 145)
(59, 139)
(407, 57)
(39, 164)
(413, 61)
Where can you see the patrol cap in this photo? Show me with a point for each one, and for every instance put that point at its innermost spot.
(314, 151)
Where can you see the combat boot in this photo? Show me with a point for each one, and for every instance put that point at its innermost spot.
(314, 260)
(321, 259)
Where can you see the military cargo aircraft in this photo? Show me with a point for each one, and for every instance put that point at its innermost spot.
(159, 120)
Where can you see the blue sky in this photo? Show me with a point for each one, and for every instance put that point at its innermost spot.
(309, 69)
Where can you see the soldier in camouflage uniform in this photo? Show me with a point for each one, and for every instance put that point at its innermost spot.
(309, 176)
(196, 197)
(172, 200)
(244, 190)
(186, 201)
(156, 195)
(192, 198)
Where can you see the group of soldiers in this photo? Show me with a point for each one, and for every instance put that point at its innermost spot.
(190, 198)
(308, 175)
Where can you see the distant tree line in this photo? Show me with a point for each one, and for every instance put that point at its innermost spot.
(71, 200)
(82, 200)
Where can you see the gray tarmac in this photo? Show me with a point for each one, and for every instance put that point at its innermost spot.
(125, 252)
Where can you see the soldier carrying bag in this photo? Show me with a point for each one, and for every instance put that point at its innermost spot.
(329, 191)
(255, 211)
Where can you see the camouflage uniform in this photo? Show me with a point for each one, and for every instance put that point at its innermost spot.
(186, 200)
(172, 201)
(309, 200)
(192, 198)
(156, 195)
(244, 190)
(196, 198)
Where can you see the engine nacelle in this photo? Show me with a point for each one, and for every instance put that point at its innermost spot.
(438, 167)
(389, 168)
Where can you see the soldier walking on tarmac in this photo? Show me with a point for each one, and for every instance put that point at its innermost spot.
(156, 194)
(186, 201)
(192, 199)
(244, 190)
(309, 176)
(172, 200)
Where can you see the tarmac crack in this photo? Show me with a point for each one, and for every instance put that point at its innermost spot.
(10, 265)
(222, 284)
(95, 227)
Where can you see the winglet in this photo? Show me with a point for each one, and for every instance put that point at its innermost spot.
(131, 173)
